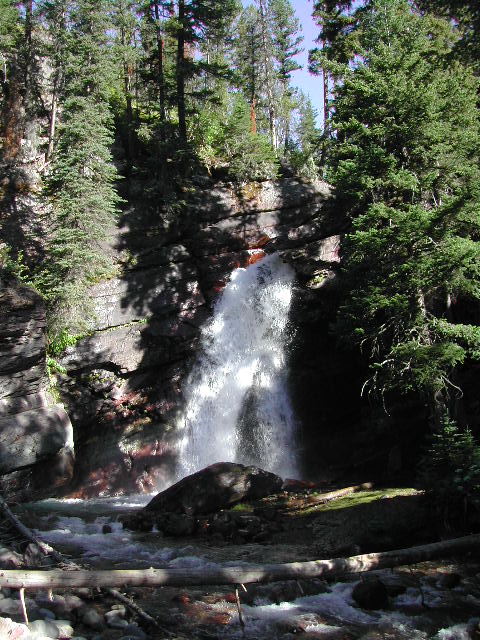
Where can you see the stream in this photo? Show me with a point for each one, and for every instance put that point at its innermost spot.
(424, 608)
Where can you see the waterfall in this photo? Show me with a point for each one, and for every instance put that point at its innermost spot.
(237, 402)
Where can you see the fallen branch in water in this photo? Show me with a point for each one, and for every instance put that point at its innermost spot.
(49, 551)
(336, 567)
(27, 534)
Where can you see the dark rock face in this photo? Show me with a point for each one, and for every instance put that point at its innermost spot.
(36, 438)
(216, 487)
(124, 384)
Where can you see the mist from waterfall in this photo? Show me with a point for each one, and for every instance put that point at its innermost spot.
(237, 402)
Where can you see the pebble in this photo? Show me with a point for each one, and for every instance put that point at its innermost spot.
(46, 613)
(44, 628)
(65, 630)
(11, 606)
(91, 618)
(134, 631)
(115, 622)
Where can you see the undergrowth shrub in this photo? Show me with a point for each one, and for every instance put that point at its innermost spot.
(450, 473)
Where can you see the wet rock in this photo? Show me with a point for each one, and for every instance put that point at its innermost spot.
(10, 606)
(91, 618)
(116, 622)
(292, 485)
(178, 524)
(46, 614)
(133, 631)
(449, 580)
(65, 630)
(371, 594)
(106, 528)
(9, 560)
(216, 487)
(45, 628)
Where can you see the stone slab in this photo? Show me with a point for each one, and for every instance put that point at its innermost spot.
(28, 437)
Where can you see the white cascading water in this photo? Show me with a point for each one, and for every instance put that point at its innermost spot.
(237, 402)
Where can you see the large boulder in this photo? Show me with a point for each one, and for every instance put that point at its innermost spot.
(36, 437)
(216, 487)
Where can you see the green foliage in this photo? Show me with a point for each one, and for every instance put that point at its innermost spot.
(81, 180)
(465, 14)
(13, 267)
(405, 167)
(10, 30)
(285, 27)
(250, 157)
(61, 341)
(54, 367)
(450, 471)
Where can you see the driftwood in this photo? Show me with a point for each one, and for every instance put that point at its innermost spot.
(235, 575)
(143, 615)
(46, 549)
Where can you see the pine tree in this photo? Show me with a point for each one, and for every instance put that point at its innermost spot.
(10, 28)
(466, 16)
(406, 168)
(125, 20)
(82, 175)
(337, 40)
(248, 59)
(285, 27)
(195, 22)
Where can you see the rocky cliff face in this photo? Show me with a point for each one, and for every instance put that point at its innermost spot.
(36, 436)
(124, 384)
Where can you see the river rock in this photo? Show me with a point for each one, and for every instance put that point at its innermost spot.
(91, 618)
(133, 631)
(216, 487)
(45, 628)
(371, 594)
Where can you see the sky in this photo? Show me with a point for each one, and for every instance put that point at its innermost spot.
(311, 85)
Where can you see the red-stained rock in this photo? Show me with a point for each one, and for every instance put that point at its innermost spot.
(255, 255)
(293, 485)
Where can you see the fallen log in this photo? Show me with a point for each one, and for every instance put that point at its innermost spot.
(336, 567)
(27, 534)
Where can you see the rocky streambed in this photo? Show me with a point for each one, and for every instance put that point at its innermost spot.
(438, 599)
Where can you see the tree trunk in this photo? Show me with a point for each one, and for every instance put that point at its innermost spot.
(180, 73)
(325, 100)
(28, 49)
(53, 119)
(334, 568)
(161, 79)
(253, 117)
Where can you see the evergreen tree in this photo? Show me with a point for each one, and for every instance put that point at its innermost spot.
(248, 59)
(10, 28)
(466, 15)
(406, 168)
(286, 45)
(82, 175)
(126, 23)
(195, 22)
(337, 40)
